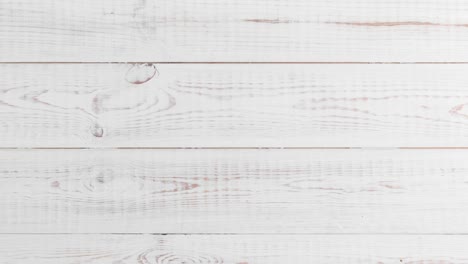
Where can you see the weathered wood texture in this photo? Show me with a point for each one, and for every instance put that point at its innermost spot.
(48, 105)
(232, 249)
(233, 191)
(234, 30)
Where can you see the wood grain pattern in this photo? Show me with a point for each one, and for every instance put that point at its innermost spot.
(234, 30)
(233, 105)
(178, 168)
(233, 191)
(232, 249)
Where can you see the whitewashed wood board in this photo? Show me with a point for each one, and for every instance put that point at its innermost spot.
(147, 126)
(234, 30)
(233, 105)
(232, 249)
(234, 191)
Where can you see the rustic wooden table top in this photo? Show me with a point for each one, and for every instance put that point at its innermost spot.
(233, 131)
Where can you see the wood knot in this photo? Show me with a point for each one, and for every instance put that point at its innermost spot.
(141, 73)
(177, 258)
(97, 131)
(105, 176)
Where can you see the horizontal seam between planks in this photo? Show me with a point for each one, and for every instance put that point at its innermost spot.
(248, 234)
(162, 148)
(233, 62)
(232, 148)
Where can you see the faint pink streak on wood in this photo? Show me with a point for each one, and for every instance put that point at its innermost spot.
(396, 23)
(268, 21)
(457, 110)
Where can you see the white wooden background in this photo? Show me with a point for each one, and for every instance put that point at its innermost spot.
(233, 131)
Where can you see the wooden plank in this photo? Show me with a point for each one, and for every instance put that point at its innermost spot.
(233, 191)
(48, 105)
(232, 249)
(234, 30)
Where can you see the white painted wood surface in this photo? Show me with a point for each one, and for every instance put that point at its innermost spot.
(234, 30)
(232, 249)
(141, 195)
(234, 191)
(211, 105)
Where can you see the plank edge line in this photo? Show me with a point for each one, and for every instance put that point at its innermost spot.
(243, 234)
(228, 62)
(234, 148)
